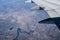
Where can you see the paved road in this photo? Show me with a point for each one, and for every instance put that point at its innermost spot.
(19, 22)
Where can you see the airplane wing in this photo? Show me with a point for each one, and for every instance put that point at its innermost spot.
(52, 8)
(28, 1)
(57, 2)
(53, 13)
(54, 17)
